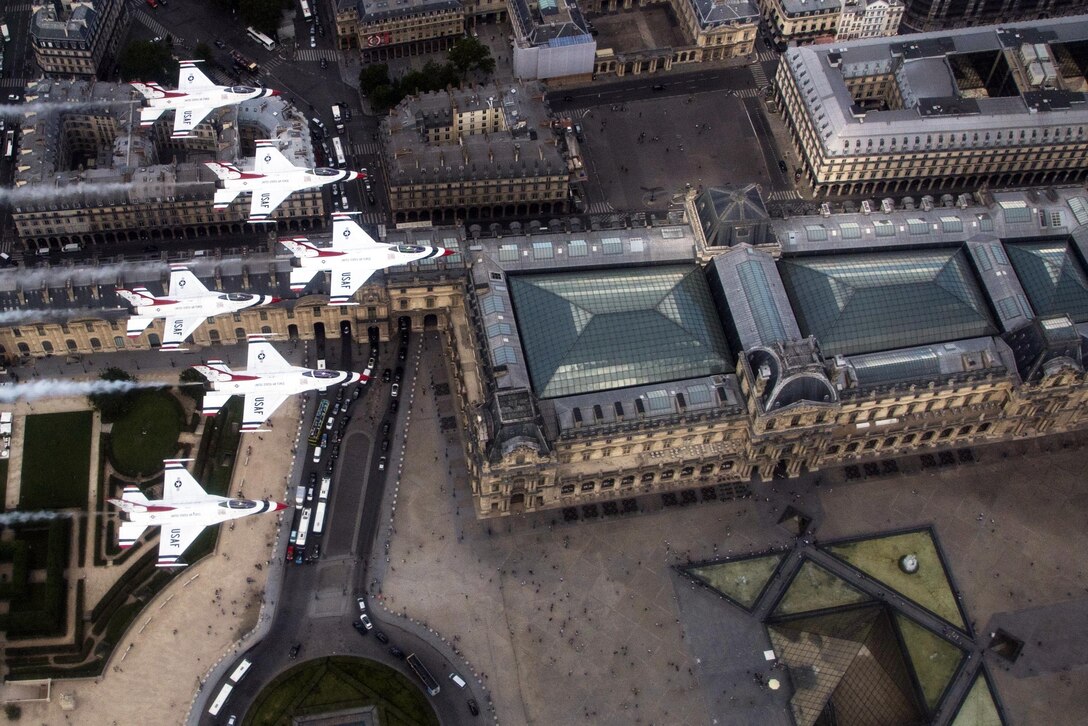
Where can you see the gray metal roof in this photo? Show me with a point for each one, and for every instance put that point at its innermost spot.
(372, 11)
(749, 291)
(713, 13)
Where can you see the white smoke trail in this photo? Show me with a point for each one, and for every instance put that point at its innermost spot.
(45, 193)
(33, 278)
(21, 517)
(58, 388)
(18, 110)
(12, 317)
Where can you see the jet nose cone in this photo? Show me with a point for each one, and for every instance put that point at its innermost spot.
(279, 506)
(447, 253)
(353, 378)
(353, 175)
(274, 93)
(273, 300)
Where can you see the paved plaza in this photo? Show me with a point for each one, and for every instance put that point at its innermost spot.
(590, 622)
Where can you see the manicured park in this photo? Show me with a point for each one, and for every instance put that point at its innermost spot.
(340, 683)
(56, 461)
(146, 434)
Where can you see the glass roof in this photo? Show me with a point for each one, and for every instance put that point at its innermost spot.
(740, 580)
(599, 330)
(814, 588)
(935, 660)
(979, 708)
(1052, 277)
(880, 301)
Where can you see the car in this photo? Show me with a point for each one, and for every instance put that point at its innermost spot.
(329, 466)
(220, 44)
(457, 680)
(290, 552)
(382, 637)
(347, 405)
(156, 39)
(361, 603)
(313, 478)
(398, 375)
(402, 355)
(396, 652)
(370, 363)
(336, 451)
(336, 407)
(370, 197)
(329, 423)
(385, 445)
(293, 653)
(782, 166)
(344, 201)
(324, 64)
(310, 493)
(381, 464)
(473, 708)
(394, 405)
(299, 554)
(365, 620)
(657, 87)
(317, 454)
(313, 42)
(232, 720)
(395, 391)
(386, 375)
(385, 428)
(355, 392)
(323, 442)
(316, 553)
(359, 626)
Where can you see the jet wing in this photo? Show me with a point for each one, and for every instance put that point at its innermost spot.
(177, 330)
(190, 78)
(263, 203)
(263, 358)
(270, 159)
(187, 118)
(137, 325)
(346, 279)
(174, 539)
(258, 407)
(348, 236)
(180, 486)
(184, 284)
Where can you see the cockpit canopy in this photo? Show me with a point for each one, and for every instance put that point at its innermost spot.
(325, 171)
(238, 504)
(236, 296)
(407, 249)
(321, 374)
(241, 89)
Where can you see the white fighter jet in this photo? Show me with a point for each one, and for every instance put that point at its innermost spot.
(352, 258)
(266, 382)
(183, 512)
(185, 306)
(196, 96)
(272, 180)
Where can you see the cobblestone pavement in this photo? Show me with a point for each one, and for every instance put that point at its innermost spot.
(589, 622)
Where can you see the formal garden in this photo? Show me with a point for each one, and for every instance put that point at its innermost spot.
(139, 428)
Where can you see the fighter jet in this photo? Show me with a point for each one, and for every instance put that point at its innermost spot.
(352, 258)
(185, 306)
(266, 382)
(183, 512)
(272, 180)
(195, 97)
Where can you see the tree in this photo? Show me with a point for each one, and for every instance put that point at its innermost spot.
(203, 52)
(113, 404)
(13, 711)
(385, 97)
(146, 61)
(264, 15)
(373, 76)
(469, 54)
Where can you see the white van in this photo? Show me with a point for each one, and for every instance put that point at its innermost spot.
(317, 454)
(240, 671)
(71, 247)
(458, 680)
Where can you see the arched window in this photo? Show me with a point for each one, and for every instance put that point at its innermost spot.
(71, 345)
(118, 342)
(47, 346)
(240, 334)
(96, 344)
(24, 348)
(213, 335)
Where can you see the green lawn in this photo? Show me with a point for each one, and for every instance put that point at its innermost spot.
(3, 483)
(56, 461)
(147, 434)
(338, 683)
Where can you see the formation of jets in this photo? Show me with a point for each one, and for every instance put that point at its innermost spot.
(351, 259)
(196, 97)
(272, 180)
(186, 304)
(183, 512)
(266, 382)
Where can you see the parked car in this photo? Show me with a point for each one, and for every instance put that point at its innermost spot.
(396, 652)
(473, 708)
(361, 603)
(382, 637)
(365, 620)
(395, 390)
(381, 464)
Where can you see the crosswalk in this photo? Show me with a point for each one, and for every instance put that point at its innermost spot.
(759, 75)
(315, 54)
(600, 208)
(784, 196)
(13, 82)
(373, 218)
(21, 8)
(156, 27)
(767, 55)
(371, 147)
(746, 93)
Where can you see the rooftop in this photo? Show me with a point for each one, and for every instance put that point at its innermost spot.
(1053, 277)
(880, 301)
(70, 23)
(377, 10)
(550, 22)
(607, 329)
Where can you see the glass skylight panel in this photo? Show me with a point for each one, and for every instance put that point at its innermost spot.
(917, 226)
(543, 251)
(951, 224)
(1079, 206)
(815, 232)
(508, 253)
(985, 222)
(504, 355)
(577, 248)
(492, 304)
(496, 330)
(884, 228)
(850, 230)
(612, 245)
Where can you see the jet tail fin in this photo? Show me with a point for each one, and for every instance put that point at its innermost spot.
(137, 296)
(300, 278)
(224, 171)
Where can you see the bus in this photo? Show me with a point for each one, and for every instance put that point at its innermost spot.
(9, 144)
(319, 421)
(424, 675)
(261, 38)
(240, 672)
(326, 482)
(303, 529)
(306, 14)
(241, 62)
(217, 704)
(319, 519)
(338, 153)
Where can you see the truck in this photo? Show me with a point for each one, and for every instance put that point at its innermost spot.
(243, 63)
(326, 482)
(4, 31)
(5, 423)
(338, 118)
